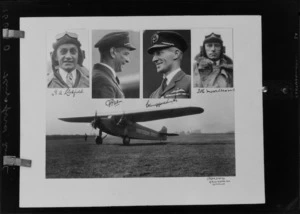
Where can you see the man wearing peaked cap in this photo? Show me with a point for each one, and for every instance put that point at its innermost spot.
(67, 58)
(213, 69)
(114, 50)
(167, 48)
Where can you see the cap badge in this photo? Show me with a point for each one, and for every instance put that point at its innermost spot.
(155, 38)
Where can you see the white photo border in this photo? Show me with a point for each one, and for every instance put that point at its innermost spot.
(247, 187)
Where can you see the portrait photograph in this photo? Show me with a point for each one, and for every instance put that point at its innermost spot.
(166, 64)
(67, 66)
(116, 64)
(212, 54)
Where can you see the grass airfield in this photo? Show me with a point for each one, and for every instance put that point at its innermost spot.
(194, 155)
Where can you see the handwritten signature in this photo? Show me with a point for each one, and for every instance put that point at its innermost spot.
(5, 112)
(6, 108)
(112, 102)
(148, 104)
(5, 118)
(206, 90)
(73, 92)
(5, 84)
(68, 92)
(218, 180)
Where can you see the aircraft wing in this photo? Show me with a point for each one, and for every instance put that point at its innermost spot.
(142, 116)
(159, 114)
(79, 119)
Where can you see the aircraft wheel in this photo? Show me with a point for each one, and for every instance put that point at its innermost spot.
(126, 140)
(98, 140)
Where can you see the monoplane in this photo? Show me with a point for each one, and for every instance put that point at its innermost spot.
(124, 124)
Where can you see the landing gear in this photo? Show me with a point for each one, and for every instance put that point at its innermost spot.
(99, 138)
(126, 140)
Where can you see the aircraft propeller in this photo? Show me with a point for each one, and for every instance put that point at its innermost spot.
(94, 124)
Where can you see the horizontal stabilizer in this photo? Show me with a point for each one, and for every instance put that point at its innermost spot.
(169, 134)
(164, 132)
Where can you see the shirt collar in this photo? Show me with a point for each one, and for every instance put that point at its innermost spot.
(170, 75)
(110, 68)
(63, 74)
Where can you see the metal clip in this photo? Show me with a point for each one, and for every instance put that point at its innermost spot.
(264, 89)
(11, 34)
(13, 161)
(278, 89)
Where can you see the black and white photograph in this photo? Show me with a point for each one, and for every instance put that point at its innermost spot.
(167, 64)
(172, 141)
(116, 61)
(213, 58)
(116, 141)
(67, 55)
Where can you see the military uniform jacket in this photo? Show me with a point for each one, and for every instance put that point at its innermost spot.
(104, 84)
(82, 80)
(179, 87)
(216, 76)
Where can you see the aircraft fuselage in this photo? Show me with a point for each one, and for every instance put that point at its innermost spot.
(118, 126)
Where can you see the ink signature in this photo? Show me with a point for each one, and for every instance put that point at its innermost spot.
(73, 92)
(5, 84)
(218, 181)
(112, 102)
(148, 104)
(67, 92)
(203, 91)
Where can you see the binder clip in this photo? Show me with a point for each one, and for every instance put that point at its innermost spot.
(12, 34)
(13, 161)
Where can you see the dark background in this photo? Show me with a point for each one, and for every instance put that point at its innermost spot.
(151, 78)
(280, 44)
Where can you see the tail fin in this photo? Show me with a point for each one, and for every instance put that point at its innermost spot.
(164, 132)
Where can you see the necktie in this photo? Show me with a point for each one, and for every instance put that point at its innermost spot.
(164, 84)
(117, 79)
(70, 80)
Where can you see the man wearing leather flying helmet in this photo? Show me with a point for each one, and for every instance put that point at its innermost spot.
(213, 69)
(114, 50)
(167, 48)
(67, 58)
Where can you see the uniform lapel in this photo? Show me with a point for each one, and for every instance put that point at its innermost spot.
(172, 84)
